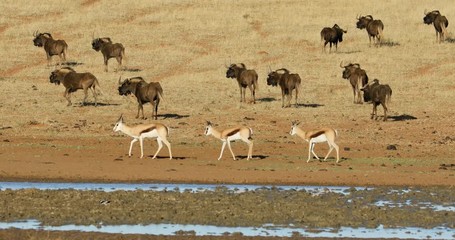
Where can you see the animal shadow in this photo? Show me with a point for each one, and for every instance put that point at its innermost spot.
(72, 64)
(266, 99)
(402, 117)
(173, 115)
(98, 105)
(127, 69)
(310, 105)
(173, 157)
(253, 157)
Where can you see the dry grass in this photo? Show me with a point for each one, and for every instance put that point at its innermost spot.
(185, 44)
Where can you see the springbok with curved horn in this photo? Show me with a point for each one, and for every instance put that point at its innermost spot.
(317, 136)
(226, 136)
(141, 131)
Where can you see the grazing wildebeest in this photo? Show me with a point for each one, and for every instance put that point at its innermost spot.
(51, 46)
(245, 78)
(287, 82)
(144, 92)
(109, 50)
(380, 94)
(374, 27)
(74, 81)
(332, 35)
(358, 79)
(440, 24)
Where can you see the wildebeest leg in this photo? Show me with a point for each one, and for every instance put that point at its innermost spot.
(252, 90)
(296, 97)
(330, 48)
(289, 97)
(156, 108)
(139, 107)
(49, 59)
(67, 96)
(105, 64)
(354, 92)
(241, 92)
(94, 94)
(283, 95)
(385, 111)
(154, 113)
(85, 96)
(375, 113)
(119, 61)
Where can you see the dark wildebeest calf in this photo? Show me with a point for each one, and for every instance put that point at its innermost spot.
(74, 81)
(332, 35)
(51, 47)
(144, 92)
(109, 50)
(380, 94)
(440, 24)
(245, 78)
(358, 79)
(374, 27)
(287, 82)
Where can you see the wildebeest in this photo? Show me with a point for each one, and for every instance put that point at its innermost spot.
(74, 81)
(144, 92)
(440, 24)
(287, 82)
(332, 35)
(358, 79)
(374, 27)
(245, 78)
(51, 46)
(380, 94)
(109, 50)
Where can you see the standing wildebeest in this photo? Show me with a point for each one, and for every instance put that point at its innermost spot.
(332, 35)
(74, 81)
(380, 94)
(109, 50)
(245, 78)
(288, 82)
(374, 27)
(51, 46)
(358, 79)
(144, 92)
(440, 24)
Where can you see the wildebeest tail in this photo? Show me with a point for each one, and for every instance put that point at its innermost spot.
(380, 33)
(255, 82)
(97, 88)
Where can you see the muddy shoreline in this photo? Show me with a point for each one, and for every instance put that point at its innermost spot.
(225, 208)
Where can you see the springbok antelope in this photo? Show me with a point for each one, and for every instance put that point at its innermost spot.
(141, 131)
(231, 134)
(317, 136)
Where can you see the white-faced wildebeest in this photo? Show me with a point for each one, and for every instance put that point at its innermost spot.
(380, 94)
(72, 81)
(51, 46)
(287, 82)
(358, 79)
(440, 24)
(332, 35)
(245, 78)
(144, 92)
(109, 50)
(374, 28)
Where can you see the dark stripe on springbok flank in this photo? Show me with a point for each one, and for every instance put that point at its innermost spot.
(317, 134)
(233, 132)
(147, 130)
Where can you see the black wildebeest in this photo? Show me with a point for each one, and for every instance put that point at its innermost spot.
(109, 50)
(440, 24)
(72, 81)
(245, 78)
(332, 35)
(144, 92)
(358, 79)
(374, 27)
(51, 46)
(380, 94)
(287, 82)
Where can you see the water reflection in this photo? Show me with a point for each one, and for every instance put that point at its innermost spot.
(269, 230)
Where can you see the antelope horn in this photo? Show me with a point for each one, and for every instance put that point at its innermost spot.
(341, 64)
(208, 123)
(425, 12)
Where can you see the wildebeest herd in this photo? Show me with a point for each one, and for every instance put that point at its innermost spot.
(372, 91)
